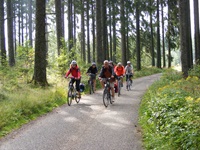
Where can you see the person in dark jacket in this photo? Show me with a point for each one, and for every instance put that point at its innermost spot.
(107, 71)
(92, 72)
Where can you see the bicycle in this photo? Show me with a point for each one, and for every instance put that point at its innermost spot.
(128, 82)
(72, 93)
(91, 83)
(119, 85)
(106, 93)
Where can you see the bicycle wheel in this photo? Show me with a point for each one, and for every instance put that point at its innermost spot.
(119, 88)
(128, 85)
(70, 97)
(105, 97)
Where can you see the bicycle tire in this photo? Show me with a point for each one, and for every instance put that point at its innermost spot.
(105, 97)
(128, 85)
(119, 88)
(69, 97)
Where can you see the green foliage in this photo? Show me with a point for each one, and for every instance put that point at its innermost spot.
(195, 71)
(170, 114)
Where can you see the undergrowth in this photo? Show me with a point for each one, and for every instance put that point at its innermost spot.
(170, 113)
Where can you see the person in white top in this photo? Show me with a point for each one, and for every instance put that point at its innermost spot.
(129, 71)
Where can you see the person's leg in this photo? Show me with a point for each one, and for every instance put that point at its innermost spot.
(94, 83)
(78, 88)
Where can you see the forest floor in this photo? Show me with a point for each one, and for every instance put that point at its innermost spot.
(87, 125)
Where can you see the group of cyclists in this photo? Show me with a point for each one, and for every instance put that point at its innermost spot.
(108, 70)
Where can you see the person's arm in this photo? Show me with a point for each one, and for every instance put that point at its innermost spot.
(101, 73)
(79, 73)
(68, 72)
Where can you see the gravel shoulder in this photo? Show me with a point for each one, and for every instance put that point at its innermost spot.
(87, 125)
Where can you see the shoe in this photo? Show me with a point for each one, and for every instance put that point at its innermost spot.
(113, 99)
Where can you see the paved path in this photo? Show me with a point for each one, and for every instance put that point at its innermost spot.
(87, 125)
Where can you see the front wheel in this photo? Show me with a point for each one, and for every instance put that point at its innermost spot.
(128, 86)
(105, 98)
(69, 97)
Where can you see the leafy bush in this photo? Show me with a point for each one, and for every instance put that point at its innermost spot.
(170, 114)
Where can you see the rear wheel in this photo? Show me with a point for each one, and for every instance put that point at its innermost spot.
(119, 88)
(69, 97)
(77, 98)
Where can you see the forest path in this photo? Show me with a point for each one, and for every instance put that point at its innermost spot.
(87, 125)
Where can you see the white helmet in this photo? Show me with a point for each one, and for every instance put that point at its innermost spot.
(73, 62)
(128, 62)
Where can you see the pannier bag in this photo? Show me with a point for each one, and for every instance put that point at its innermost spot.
(82, 87)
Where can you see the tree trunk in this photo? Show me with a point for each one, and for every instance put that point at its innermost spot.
(10, 33)
(40, 45)
(163, 36)
(184, 36)
(138, 36)
(99, 49)
(70, 26)
(123, 34)
(2, 34)
(83, 31)
(152, 37)
(104, 30)
(58, 24)
(158, 37)
(114, 31)
(196, 31)
(93, 33)
(88, 33)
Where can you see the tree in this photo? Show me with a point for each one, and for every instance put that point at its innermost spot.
(39, 76)
(10, 33)
(152, 34)
(104, 30)
(184, 36)
(123, 34)
(83, 30)
(138, 36)
(196, 31)
(99, 49)
(2, 33)
(158, 36)
(58, 24)
(30, 14)
(88, 33)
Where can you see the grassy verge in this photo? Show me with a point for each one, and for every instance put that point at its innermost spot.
(21, 102)
(170, 113)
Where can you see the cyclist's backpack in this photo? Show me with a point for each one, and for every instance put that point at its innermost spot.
(82, 87)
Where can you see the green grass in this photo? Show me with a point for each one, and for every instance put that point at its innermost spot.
(170, 113)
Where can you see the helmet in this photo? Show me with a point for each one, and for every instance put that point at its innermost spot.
(128, 62)
(119, 63)
(93, 63)
(73, 62)
(110, 62)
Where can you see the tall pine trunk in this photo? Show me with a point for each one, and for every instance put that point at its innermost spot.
(10, 33)
(40, 76)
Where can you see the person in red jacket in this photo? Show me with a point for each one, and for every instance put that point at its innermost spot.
(75, 75)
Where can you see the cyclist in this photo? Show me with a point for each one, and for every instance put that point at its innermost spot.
(107, 72)
(119, 71)
(75, 75)
(92, 71)
(129, 71)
